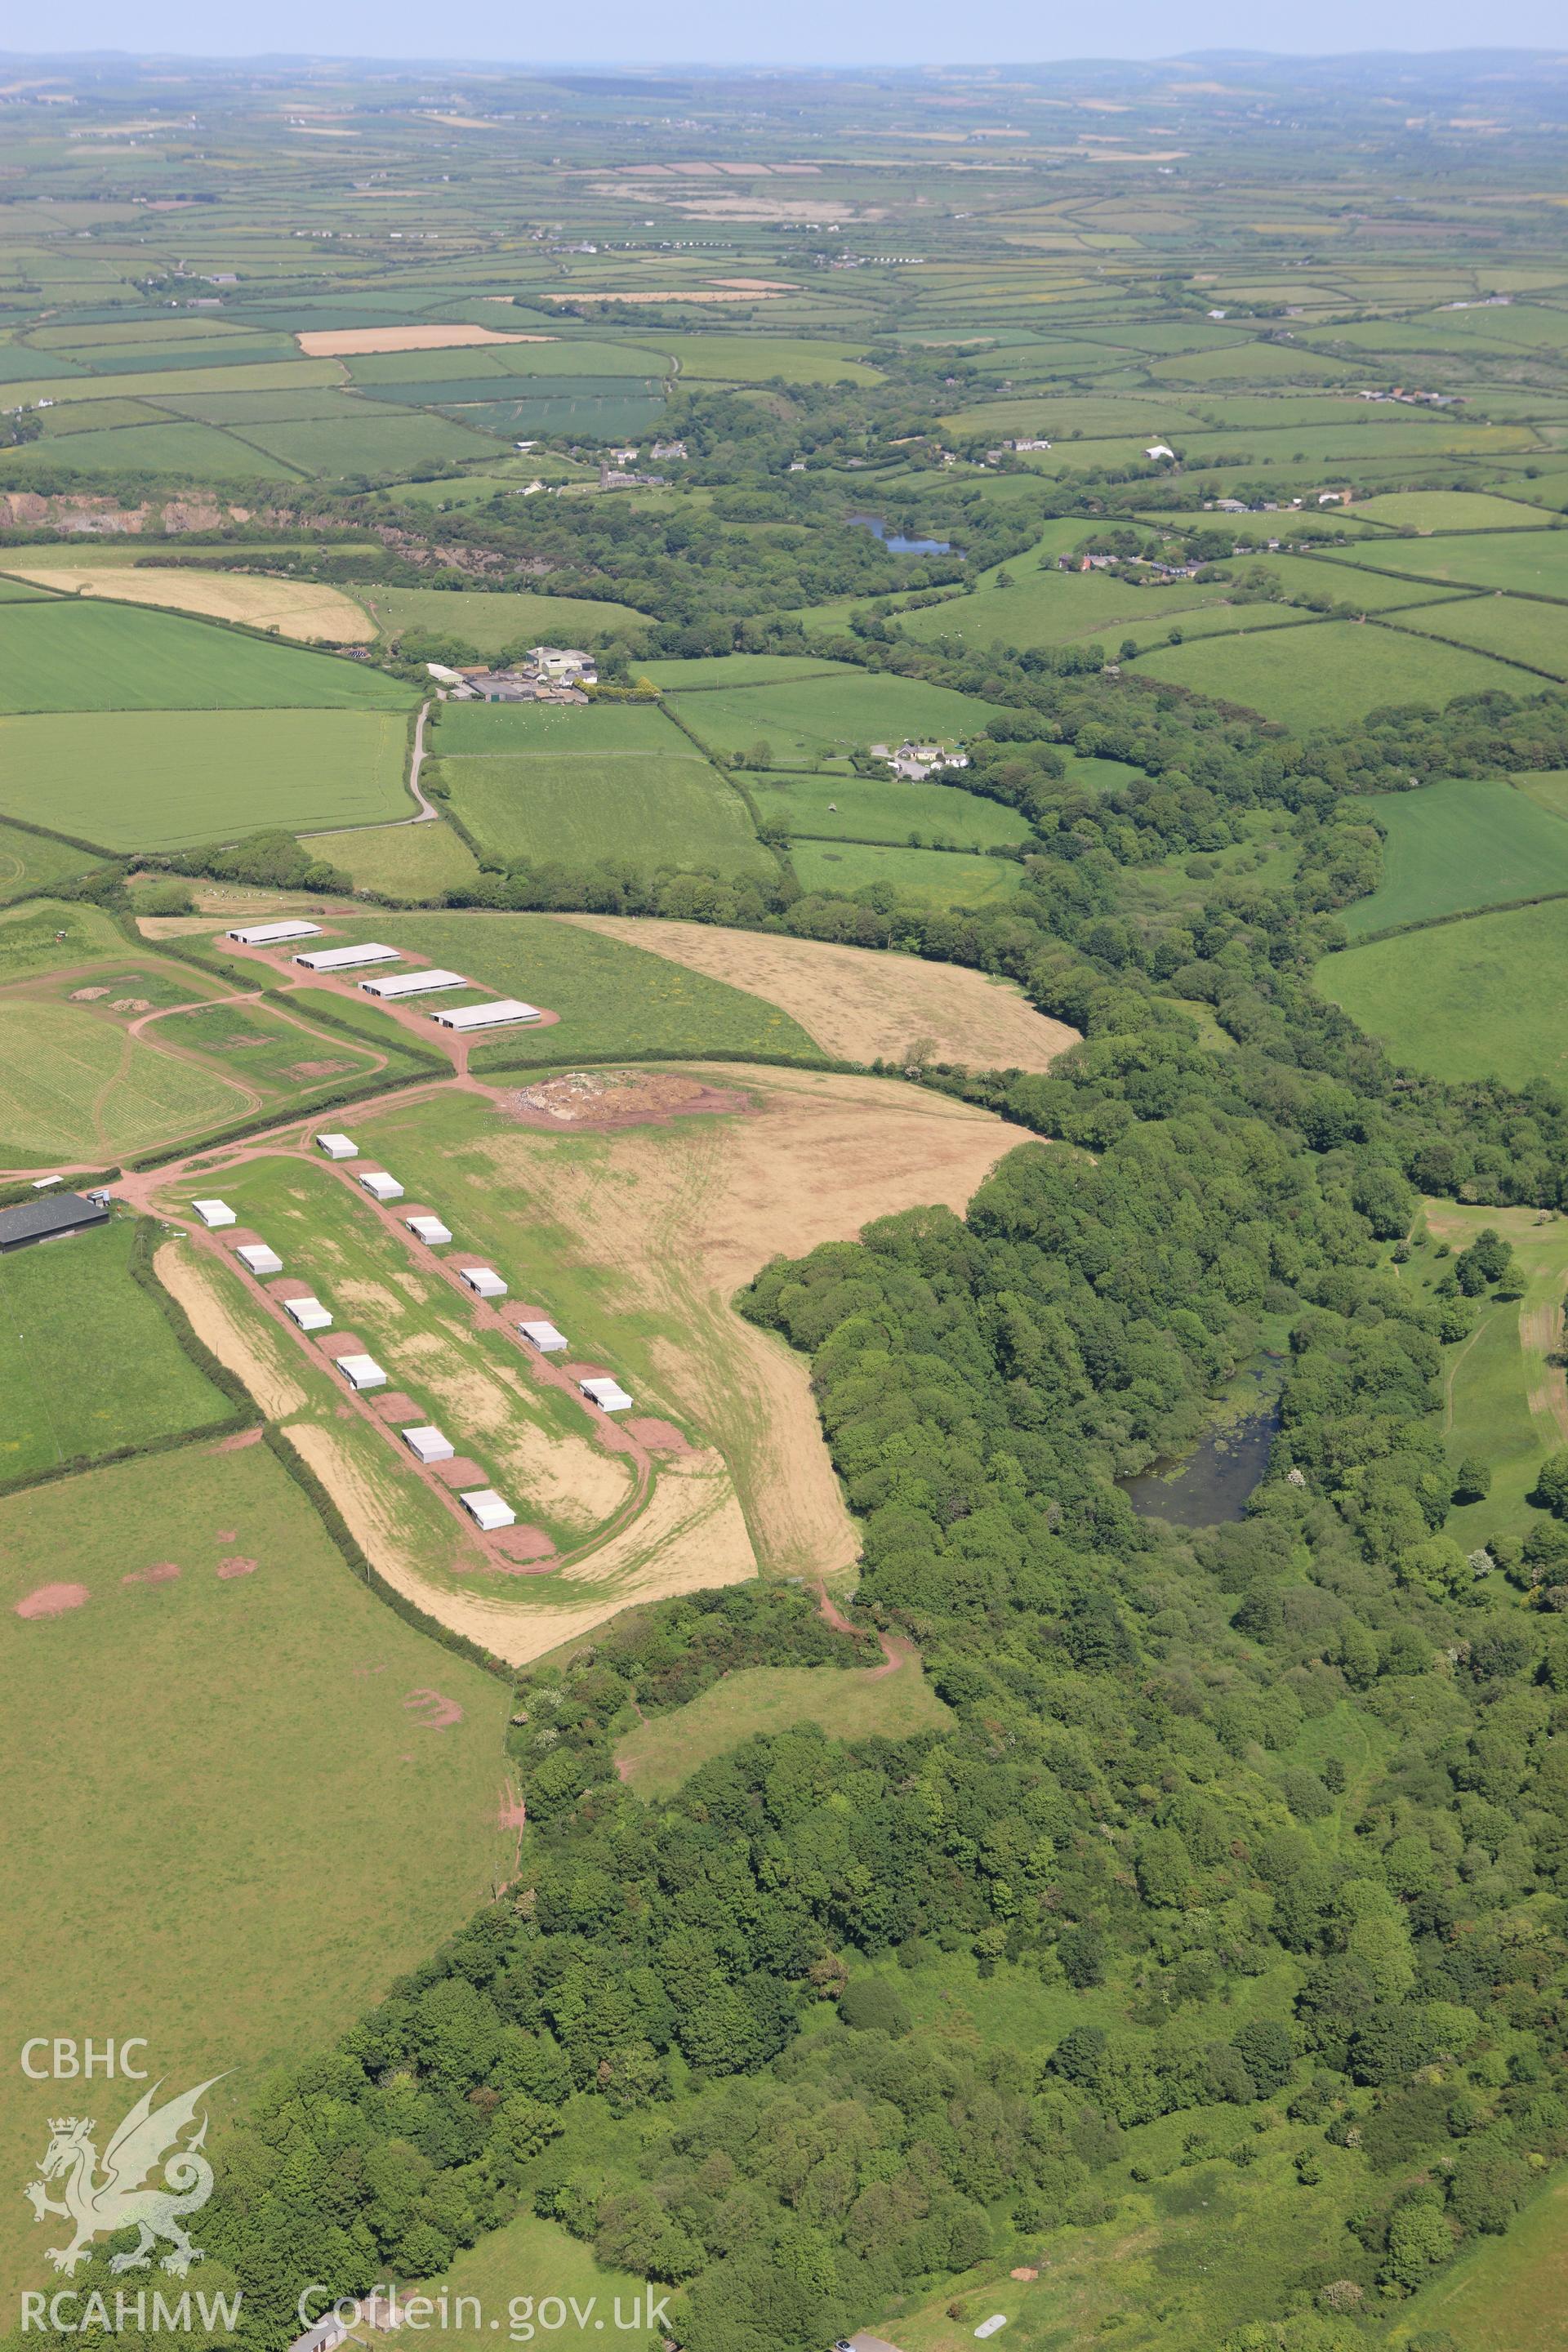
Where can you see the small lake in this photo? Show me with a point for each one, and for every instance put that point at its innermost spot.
(1212, 1482)
(895, 543)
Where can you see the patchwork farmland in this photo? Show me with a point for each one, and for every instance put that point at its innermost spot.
(783, 1480)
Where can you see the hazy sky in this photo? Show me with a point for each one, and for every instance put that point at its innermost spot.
(796, 32)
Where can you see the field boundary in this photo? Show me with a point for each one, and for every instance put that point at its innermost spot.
(1459, 915)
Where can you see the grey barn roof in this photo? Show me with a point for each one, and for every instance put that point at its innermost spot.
(38, 1221)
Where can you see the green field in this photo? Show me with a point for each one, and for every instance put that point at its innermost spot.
(612, 998)
(815, 719)
(1516, 628)
(1532, 562)
(1499, 1385)
(1503, 2295)
(1485, 997)
(215, 1713)
(63, 1401)
(1326, 672)
(861, 808)
(575, 809)
(497, 623)
(1433, 511)
(1048, 606)
(1455, 847)
(76, 1090)
(757, 359)
(76, 655)
(849, 1703)
(411, 862)
(929, 876)
(463, 729)
(31, 861)
(370, 442)
(143, 449)
(169, 779)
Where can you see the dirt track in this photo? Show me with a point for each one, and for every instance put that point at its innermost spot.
(860, 1003)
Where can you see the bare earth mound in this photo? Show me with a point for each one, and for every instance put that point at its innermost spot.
(604, 1099)
(295, 608)
(859, 1005)
(351, 343)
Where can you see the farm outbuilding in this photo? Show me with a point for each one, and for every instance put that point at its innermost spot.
(338, 1146)
(544, 1336)
(484, 1280)
(608, 1394)
(501, 1014)
(428, 1444)
(485, 1506)
(331, 960)
(429, 1230)
(309, 1313)
(392, 986)
(274, 935)
(49, 1220)
(214, 1213)
(361, 1371)
(260, 1258)
(380, 1185)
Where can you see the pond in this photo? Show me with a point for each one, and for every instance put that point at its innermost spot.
(1212, 1482)
(896, 543)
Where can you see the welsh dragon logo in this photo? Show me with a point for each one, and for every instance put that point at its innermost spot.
(116, 2200)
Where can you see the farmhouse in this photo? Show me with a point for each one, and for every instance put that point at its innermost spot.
(483, 1504)
(544, 1336)
(427, 1444)
(309, 1314)
(428, 1229)
(273, 935)
(214, 1213)
(608, 1394)
(361, 1371)
(339, 1147)
(393, 985)
(501, 1014)
(348, 958)
(260, 1258)
(483, 1280)
(49, 1220)
(380, 1185)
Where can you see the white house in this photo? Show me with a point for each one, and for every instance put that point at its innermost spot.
(608, 1394)
(309, 1314)
(349, 959)
(260, 1258)
(1158, 449)
(361, 1371)
(428, 1445)
(429, 1230)
(429, 982)
(483, 1280)
(486, 1507)
(544, 1336)
(272, 934)
(380, 1185)
(338, 1146)
(214, 1213)
(502, 1014)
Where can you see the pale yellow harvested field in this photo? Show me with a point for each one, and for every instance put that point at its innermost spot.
(859, 1005)
(683, 1215)
(355, 342)
(249, 1348)
(295, 608)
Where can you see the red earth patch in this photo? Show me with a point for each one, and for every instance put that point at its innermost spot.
(238, 1566)
(163, 1571)
(430, 1711)
(53, 1600)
